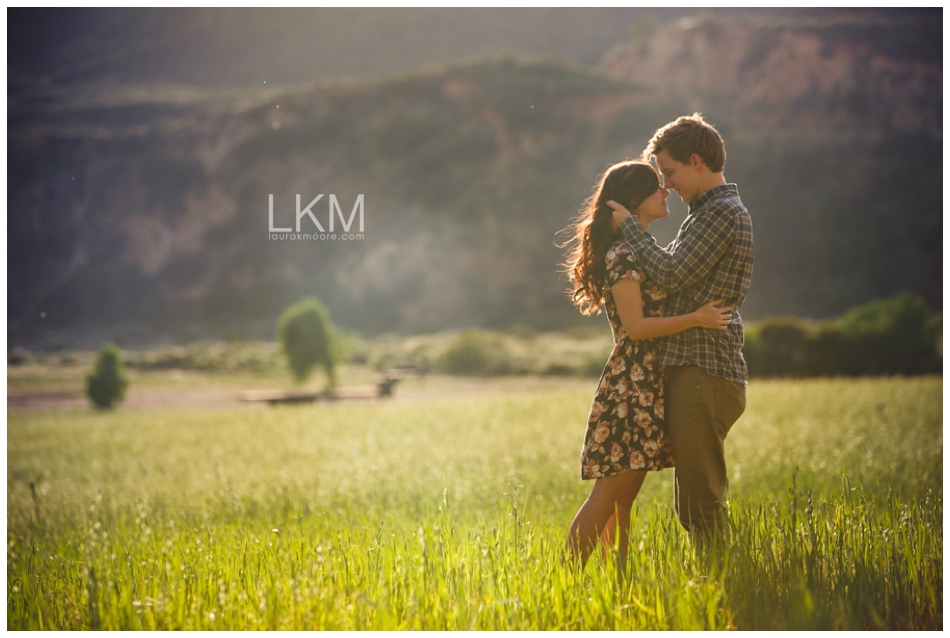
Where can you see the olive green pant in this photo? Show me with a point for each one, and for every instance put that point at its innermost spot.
(700, 411)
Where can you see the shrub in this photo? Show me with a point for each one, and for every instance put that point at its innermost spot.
(828, 352)
(18, 356)
(526, 333)
(777, 346)
(475, 353)
(891, 336)
(594, 364)
(558, 369)
(588, 332)
(106, 383)
(308, 339)
(885, 336)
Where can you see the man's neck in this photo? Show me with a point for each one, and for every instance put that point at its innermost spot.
(712, 180)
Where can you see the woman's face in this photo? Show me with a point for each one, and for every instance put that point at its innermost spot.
(654, 207)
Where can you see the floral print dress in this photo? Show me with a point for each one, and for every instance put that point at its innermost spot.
(625, 429)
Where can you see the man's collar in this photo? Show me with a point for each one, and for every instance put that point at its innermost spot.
(707, 196)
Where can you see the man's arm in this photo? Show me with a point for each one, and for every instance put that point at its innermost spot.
(706, 241)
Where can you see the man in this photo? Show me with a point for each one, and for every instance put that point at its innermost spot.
(711, 258)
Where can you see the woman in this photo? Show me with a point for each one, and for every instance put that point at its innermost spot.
(625, 430)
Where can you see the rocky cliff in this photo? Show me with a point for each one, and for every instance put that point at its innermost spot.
(843, 76)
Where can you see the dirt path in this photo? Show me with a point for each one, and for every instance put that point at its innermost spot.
(146, 398)
(137, 399)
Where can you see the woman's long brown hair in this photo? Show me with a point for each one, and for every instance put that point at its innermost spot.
(628, 183)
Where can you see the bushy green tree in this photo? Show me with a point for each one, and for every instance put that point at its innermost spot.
(308, 339)
(106, 383)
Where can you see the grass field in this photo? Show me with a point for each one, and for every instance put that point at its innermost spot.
(451, 514)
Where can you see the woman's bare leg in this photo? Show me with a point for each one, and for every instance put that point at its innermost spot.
(611, 498)
(620, 520)
(609, 533)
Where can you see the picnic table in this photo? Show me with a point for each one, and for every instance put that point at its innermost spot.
(383, 388)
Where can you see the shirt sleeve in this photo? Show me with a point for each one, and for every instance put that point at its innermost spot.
(703, 245)
(622, 264)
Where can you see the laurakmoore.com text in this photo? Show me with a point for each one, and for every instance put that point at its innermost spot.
(319, 233)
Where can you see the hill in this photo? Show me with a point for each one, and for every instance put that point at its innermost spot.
(140, 212)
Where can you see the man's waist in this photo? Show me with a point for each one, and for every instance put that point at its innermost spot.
(686, 369)
(738, 376)
(718, 353)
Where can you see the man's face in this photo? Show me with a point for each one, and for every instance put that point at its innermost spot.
(682, 178)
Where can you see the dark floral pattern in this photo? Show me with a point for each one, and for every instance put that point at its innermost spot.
(625, 429)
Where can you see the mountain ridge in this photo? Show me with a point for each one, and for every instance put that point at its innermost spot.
(148, 220)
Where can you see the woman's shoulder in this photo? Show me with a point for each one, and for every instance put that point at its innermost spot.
(622, 262)
(620, 251)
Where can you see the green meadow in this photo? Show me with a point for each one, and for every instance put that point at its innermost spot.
(449, 512)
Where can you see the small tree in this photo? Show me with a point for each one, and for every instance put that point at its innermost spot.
(106, 383)
(308, 339)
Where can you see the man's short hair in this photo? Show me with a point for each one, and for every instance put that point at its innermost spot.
(687, 135)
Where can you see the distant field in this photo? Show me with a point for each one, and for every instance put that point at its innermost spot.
(450, 513)
(215, 374)
(522, 351)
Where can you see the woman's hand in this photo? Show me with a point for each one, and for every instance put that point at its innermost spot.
(713, 315)
(620, 213)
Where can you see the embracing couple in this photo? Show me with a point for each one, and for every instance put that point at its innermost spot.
(675, 381)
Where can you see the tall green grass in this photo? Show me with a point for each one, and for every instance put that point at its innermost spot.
(452, 515)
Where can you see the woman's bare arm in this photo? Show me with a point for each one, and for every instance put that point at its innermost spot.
(626, 293)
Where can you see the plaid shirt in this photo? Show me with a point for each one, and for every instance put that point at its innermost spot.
(711, 258)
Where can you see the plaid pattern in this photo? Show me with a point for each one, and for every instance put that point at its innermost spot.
(711, 258)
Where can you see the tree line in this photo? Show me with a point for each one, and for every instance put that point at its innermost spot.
(897, 335)
(893, 336)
